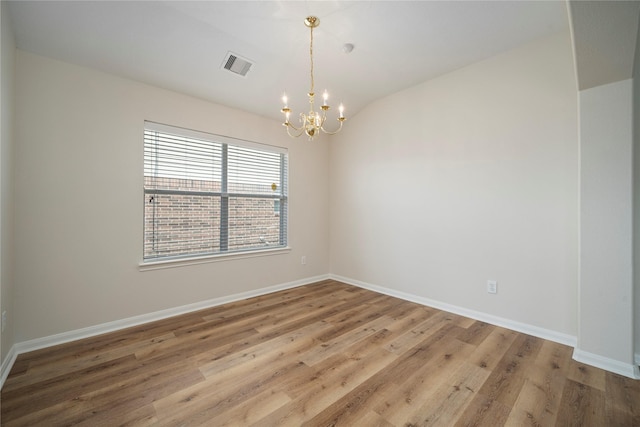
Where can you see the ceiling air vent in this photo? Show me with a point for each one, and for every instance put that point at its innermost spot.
(236, 64)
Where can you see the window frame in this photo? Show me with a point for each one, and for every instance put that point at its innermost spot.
(224, 196)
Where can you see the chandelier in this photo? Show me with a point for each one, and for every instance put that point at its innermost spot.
(312, 123)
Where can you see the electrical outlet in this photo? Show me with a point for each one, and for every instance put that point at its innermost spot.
(492, 286)
(4, 320)
(303, 260)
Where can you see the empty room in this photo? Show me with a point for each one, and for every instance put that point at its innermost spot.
(353, 213)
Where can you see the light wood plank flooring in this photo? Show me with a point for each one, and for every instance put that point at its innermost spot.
(318, 355)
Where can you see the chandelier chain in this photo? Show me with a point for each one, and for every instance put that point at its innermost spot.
(311, 57)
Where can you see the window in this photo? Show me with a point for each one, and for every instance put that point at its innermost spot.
(206, 194)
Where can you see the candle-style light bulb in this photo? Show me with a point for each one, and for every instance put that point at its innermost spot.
(325, 96)
(284, 100)
(341, 109)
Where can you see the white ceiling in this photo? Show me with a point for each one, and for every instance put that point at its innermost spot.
(180, 45)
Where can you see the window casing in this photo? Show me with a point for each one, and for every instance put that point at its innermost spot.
(207, 194)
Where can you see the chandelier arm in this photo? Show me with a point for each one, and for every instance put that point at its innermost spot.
(298, 130)
(290, 125)
(335, 131)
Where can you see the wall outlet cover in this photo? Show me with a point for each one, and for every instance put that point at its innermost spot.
(492, 286)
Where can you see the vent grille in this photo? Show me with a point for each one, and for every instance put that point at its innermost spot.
(236, 64)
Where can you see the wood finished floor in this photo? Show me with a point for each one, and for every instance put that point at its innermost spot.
(319, 355)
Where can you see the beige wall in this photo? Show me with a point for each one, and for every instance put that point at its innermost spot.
(7, 62)
(636, 198)
(606, 221)
(468, 177)
(79, 201)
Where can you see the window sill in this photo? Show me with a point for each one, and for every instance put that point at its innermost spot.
(182, 262)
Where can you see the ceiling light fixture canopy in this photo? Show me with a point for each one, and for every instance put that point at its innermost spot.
(312, 123)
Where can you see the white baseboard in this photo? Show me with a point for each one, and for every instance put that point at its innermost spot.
(536, 331)
(49, 341)
(7, 364)
(621, 368)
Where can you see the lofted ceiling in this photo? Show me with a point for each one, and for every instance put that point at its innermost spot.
(181, 45)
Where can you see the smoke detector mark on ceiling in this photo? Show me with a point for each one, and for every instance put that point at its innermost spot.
(236, 64)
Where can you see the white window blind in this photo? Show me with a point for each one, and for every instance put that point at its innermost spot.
(208, 194)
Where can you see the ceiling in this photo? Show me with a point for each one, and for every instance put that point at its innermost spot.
(181, 45)
(605, 34)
